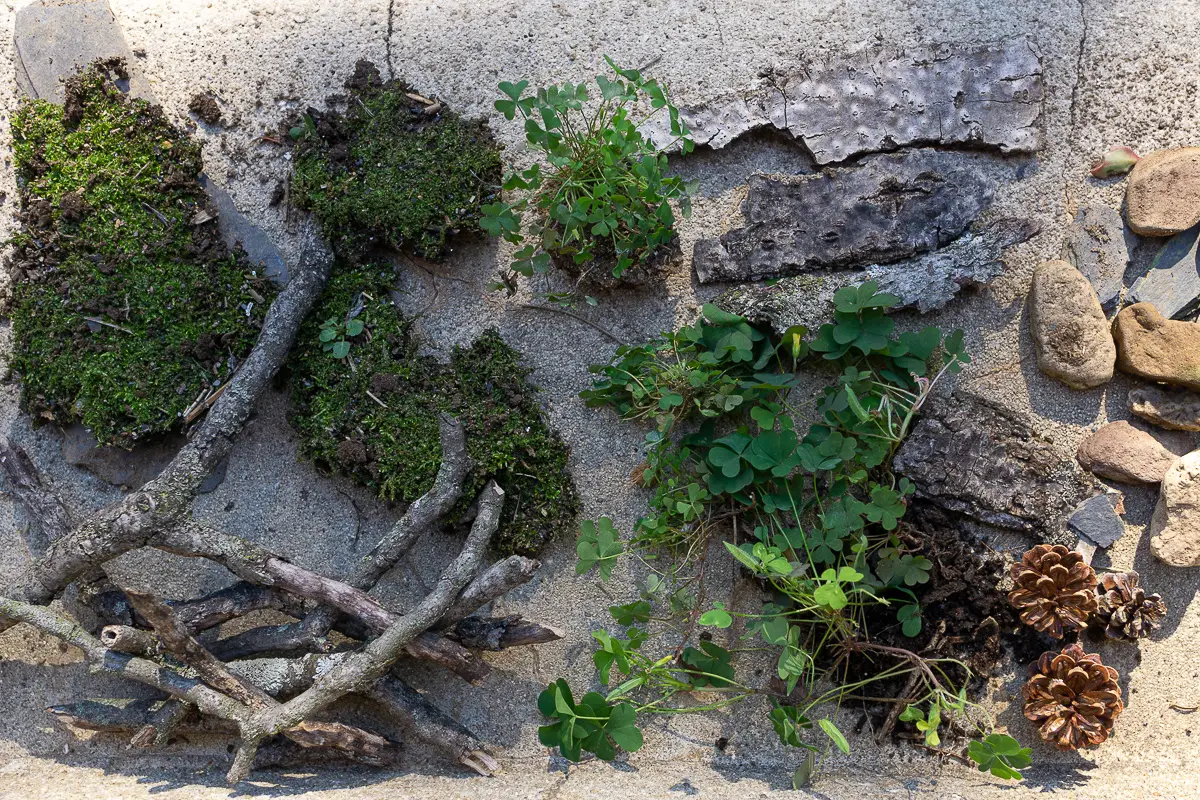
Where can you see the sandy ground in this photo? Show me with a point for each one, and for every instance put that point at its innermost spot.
(1115, 73)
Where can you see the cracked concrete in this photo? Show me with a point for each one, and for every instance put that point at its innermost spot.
(1133, 82)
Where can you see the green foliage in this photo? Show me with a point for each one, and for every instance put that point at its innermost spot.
(334, 335)
(592, 725)
(384, 170)
(125, 309)
(604, 197)
(808, 486)
(1001, 755)
(372, 414)
(926, 725)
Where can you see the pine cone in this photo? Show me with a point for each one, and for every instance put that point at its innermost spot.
(1074, 697)
(1124, 608)
(1055, 589)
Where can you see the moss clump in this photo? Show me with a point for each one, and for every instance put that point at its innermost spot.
(125, 310)
(378, 422)
(390, 169)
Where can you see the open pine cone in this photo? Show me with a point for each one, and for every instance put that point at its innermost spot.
(1074, 697)
(1124, 608)
(1055, 589)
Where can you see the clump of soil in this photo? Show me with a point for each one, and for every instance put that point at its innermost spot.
(376, 421)
(124, 311)
(204, 106)
(982, 630)
(387, 166)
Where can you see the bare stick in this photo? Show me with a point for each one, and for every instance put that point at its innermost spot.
(162, 723)
(500, 578)
(134, 641)
(422, 515)
(26, 484)
(176, 639)
(360, 669)
(501, 633)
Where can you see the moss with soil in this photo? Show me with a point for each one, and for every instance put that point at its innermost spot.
(386, 166)
(373, 414)
(127, 305)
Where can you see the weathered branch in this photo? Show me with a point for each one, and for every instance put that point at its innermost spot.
(134, 641)
(165, 502)
(500, 578)
(162, 723)
(501, 633)
(362, 668)
(183, 645)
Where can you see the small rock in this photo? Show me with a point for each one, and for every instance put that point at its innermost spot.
(1151, 346)
(1096, 246)
(1163, 194)
(1173, 283)
(1175, 526)
(1069, 328)
(1176, 411)
(1097, 520)
(1121, 452)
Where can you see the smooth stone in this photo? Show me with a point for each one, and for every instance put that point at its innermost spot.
(883, 97)
(1162, 195)
(1070, 331)
(1151, 346)
(1175, 526)
(974, 457)
(1173, 283)
(883, 209)
(1097, 520)
(1177, 411)
(1096, 245)
(52, 38)
(1120, 452)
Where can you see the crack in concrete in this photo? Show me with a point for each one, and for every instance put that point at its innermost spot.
(387, 42)
(1083, 36)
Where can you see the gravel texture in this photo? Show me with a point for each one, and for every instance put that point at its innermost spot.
(1114, 74)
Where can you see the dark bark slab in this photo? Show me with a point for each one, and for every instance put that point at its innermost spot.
(885, 209)
(979, 459)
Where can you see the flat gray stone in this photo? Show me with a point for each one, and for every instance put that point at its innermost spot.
(129, 469)
(1096, 520)
(881, 98)
(1174, 410)
(237, 230)
(977, 458)
(1098, 245)
(885, 209)
(1173, 283)
(926, 283)
(55, 37)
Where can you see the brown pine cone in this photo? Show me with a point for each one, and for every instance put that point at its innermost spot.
(1074, 697)
(1055, 589)
(1124, 608)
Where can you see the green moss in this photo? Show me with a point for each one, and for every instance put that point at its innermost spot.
(390, 441)
(124, 310)
(384, 171)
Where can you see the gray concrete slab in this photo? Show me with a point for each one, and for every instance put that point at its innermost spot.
(1113, 74)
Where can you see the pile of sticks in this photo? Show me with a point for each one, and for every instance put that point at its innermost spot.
(266, 685)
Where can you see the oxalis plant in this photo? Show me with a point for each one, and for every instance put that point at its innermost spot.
(801, 491)
(602, 200)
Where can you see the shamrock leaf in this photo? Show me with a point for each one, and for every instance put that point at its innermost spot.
(598, 546)
(713, 661)
(1000, 754)
(718, 617)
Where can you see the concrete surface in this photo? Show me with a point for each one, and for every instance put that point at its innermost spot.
(1115, 74)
